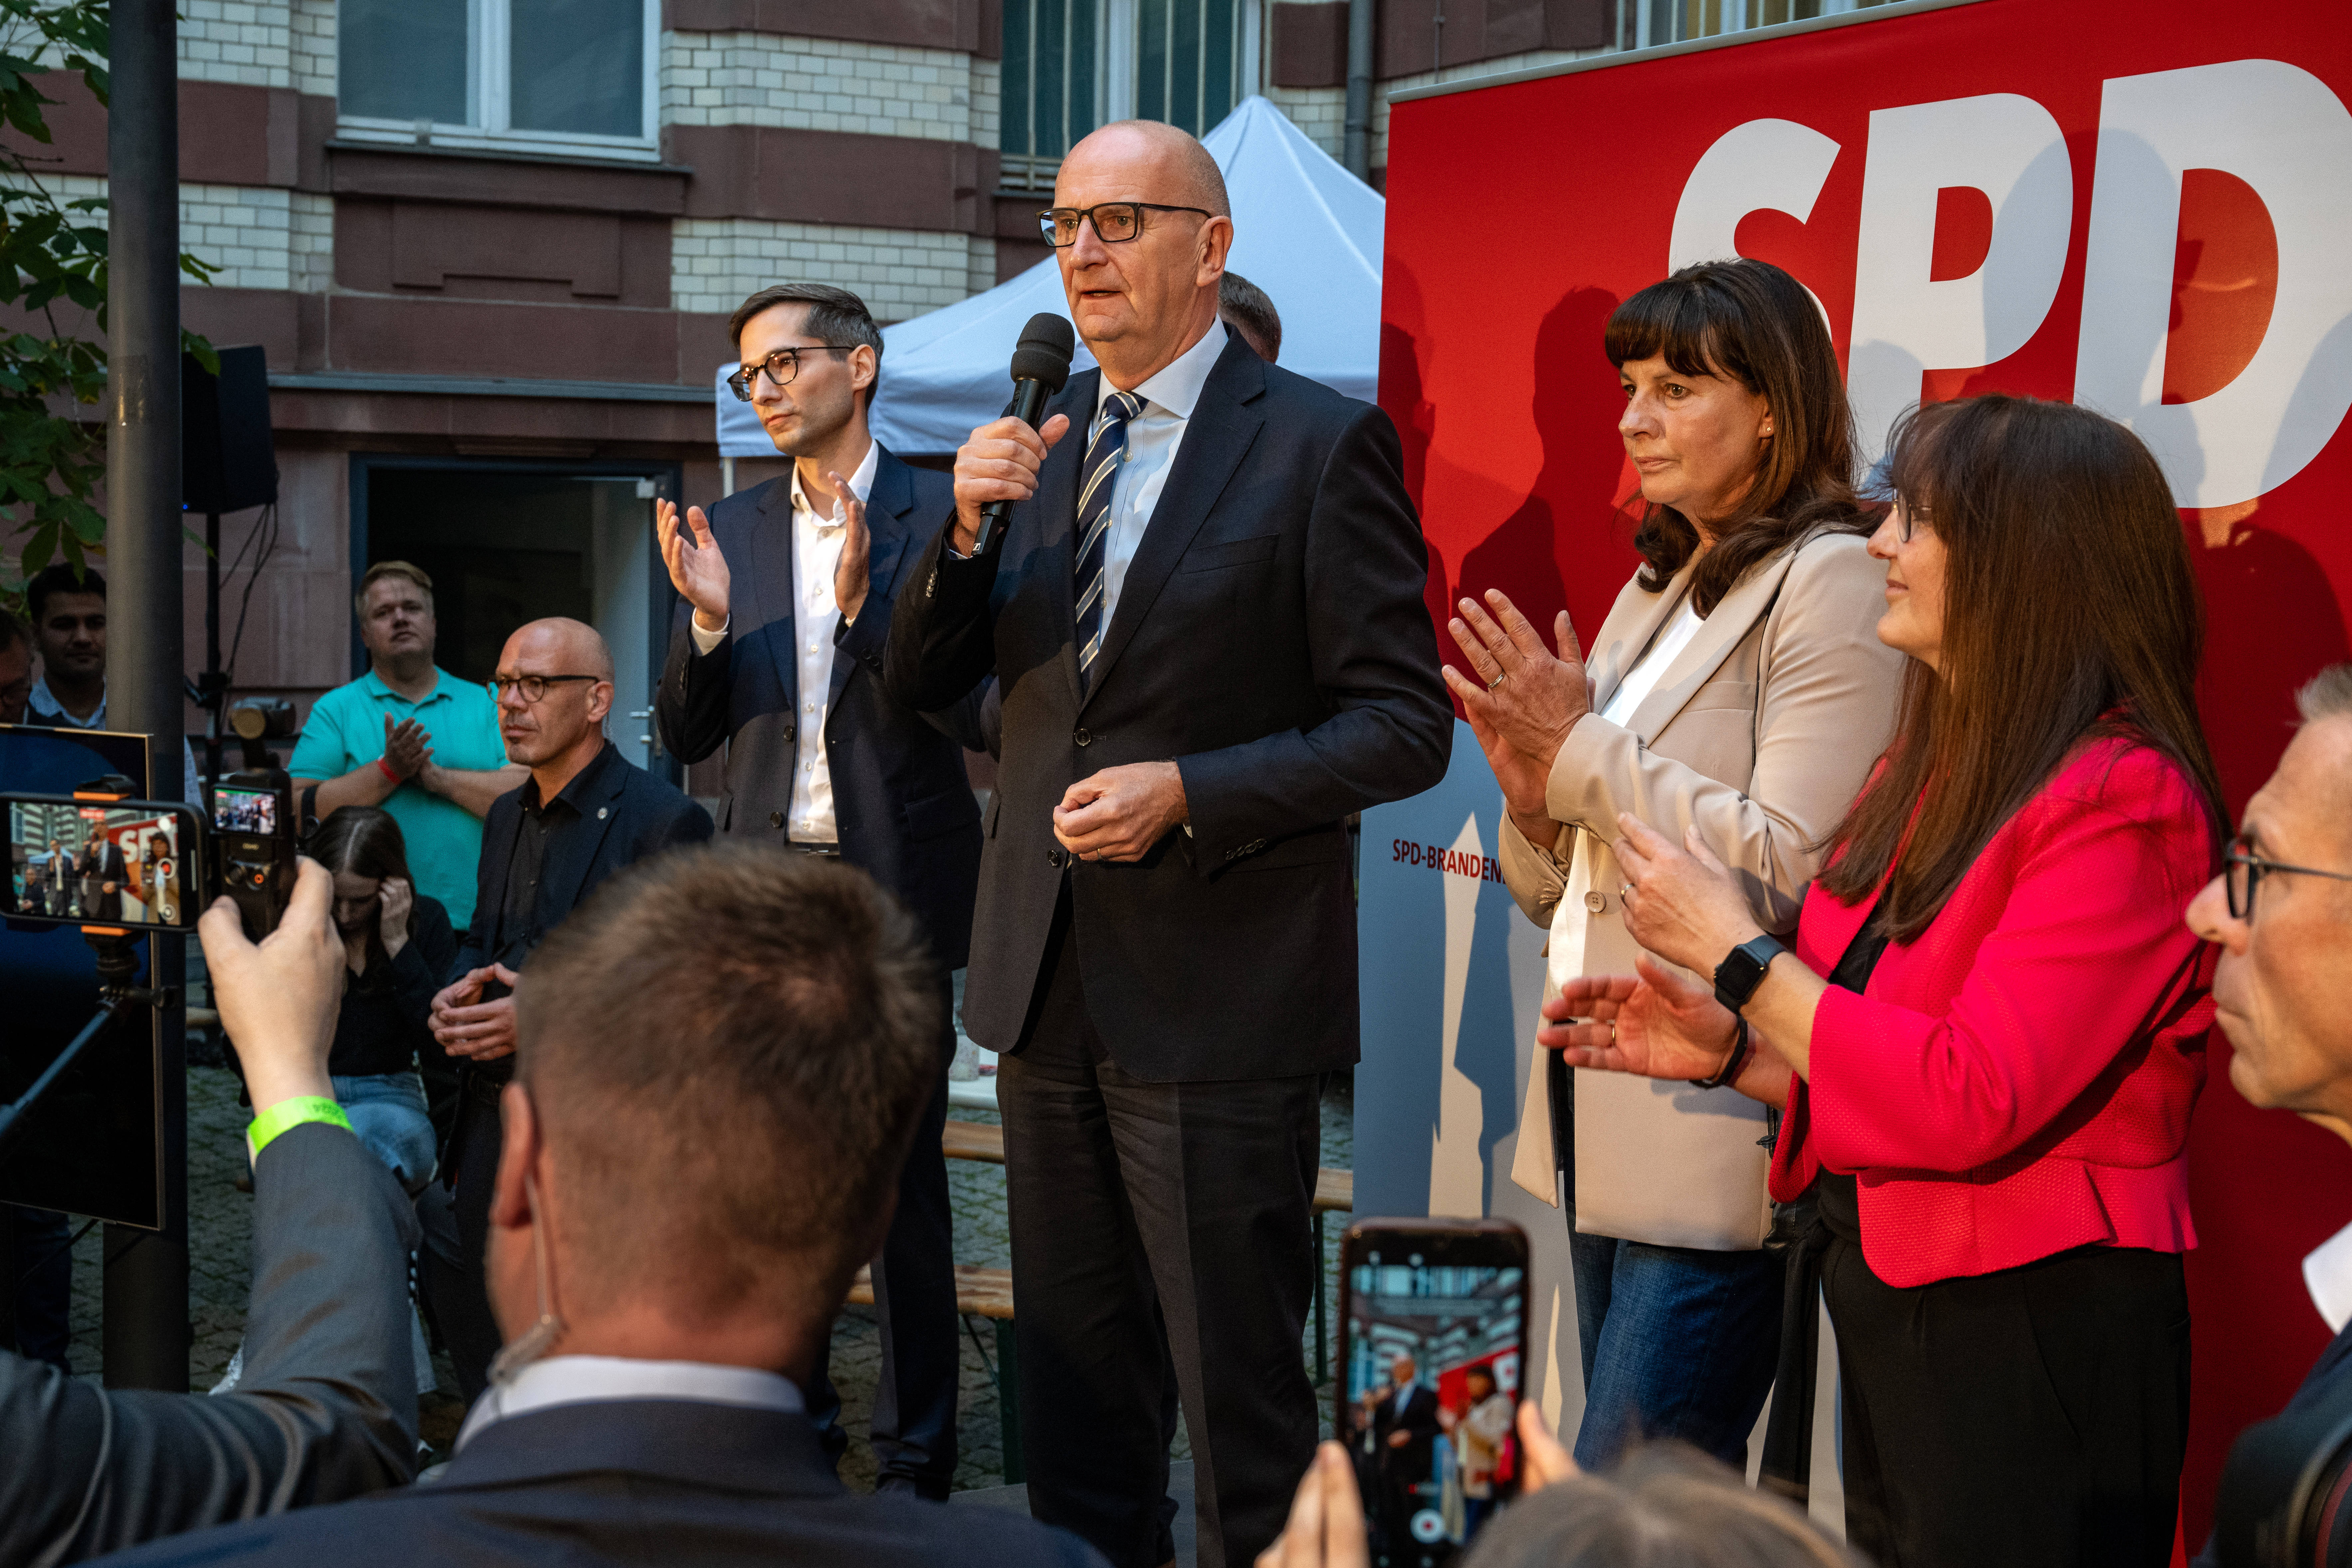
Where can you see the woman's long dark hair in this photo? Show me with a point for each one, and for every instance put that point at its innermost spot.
(2070, 613)
(364, 840)
(1753, 324)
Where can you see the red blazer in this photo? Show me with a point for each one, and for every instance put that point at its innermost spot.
(2018, 1081)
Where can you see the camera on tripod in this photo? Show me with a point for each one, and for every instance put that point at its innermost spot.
(100, 859)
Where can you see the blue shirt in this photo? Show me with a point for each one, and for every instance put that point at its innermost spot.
(345, 731)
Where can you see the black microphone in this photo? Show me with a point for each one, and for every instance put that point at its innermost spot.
(1041, 366)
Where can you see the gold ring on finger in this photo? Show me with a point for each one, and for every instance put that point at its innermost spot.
(1498, 680)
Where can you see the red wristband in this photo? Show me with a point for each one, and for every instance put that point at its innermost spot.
(388, 773)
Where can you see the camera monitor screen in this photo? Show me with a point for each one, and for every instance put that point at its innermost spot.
(1432, 1391)
(99, 865)
(249, 811)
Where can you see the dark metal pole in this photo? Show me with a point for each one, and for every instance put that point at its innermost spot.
(1358, 144)
(216, 683)
(146, 1328)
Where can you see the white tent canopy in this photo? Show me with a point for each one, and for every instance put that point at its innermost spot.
(1305, 230)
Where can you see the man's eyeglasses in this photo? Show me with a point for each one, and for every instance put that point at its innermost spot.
(2244, 871)
(1113, 221)
(532, 687)
(779, 368)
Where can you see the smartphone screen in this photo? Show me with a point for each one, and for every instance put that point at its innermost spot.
(253, 812)
(1433, 1318)
(97, 865)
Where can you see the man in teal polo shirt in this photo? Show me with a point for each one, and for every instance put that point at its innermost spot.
(411, 738)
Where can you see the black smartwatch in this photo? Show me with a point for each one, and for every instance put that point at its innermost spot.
(1737, 978)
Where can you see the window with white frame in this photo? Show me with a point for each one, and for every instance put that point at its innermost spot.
(552, 76)
(1646, 23)
(1072, 65)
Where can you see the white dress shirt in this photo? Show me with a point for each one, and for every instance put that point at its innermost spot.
(43, 708)
(1153, 436)
(817, 552)
(2327, 1274)
(590, 1379)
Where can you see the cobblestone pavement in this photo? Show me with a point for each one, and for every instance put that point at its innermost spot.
(220, 1228)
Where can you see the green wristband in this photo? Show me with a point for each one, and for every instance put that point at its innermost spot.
(288, 1113)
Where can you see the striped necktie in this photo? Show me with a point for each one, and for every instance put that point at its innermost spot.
(1104, 454)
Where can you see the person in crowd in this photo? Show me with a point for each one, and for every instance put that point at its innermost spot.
(1478, 1431)
(106, 878)
(1737, 686)
(664, 1306)
(1661, 1506)
(1991, 1034)
(16, 669)
(1211, 648)
(328, 1408)
(61, 879)
(34, 894)
(2281, 915)
(397, 948)
(410, 737)
(782, 666)
(1242, 306)
(68, 611)
(1401, 1424)
(584, 813)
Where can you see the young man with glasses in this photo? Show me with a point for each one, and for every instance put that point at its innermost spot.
(1206, 621)
(786, 594)
(582, 814)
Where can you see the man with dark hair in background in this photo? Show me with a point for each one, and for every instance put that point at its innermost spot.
(665, 1301)
(409, 737)
(69, 614)
(584, 812)
(1242, 306)
(785, 601)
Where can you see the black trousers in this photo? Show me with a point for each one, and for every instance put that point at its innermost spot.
(456, 1229)
(1163, 1254)
(2033, 1417)
(913, 1427)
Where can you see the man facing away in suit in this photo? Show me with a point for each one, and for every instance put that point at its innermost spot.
(786, 596)
(584, 812)
(1206, 624)
(691, 1177)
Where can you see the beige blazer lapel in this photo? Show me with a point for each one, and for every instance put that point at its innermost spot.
(1730, 621)
(1632, 624)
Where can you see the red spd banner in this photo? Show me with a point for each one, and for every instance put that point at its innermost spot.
(2143, 205)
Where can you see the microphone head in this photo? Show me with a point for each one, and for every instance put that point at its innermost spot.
(1043, 354)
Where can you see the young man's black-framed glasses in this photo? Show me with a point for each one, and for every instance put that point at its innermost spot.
(532, 687)
(1113, 221)
(2242, 875)
(779, 367)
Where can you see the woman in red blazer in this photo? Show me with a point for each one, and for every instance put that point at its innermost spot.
(1990, 1035)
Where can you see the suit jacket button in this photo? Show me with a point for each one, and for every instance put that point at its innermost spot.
(775, 819)
(1595, 903)
(1082, 736)
(1053, 857)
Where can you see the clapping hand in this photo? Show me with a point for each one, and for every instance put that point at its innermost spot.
(699, 573)
(1658, 1024)
(1529, 704)
(850, 581)
(1680, 901)
(405, 747)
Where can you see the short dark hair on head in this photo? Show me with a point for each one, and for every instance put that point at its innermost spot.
(384, 568)
(729, 1048)
(1665, 1506)
(1243, 302)
(51, 581)
(835, 316)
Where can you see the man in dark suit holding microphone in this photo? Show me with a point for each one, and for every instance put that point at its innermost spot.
(1206, 622)
(786, 594)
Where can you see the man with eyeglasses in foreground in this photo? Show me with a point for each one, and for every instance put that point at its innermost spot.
(584, 813)
(2282, 915)
(785, 596)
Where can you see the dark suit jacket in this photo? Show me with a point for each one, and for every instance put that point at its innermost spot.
(327, 1408)
(2328, 1381)
(637, 1481)
(626, 813)
(1411, 1464)
(1270, 638)
(904, 806)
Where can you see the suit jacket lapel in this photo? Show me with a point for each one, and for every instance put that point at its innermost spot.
(1618, 648)
(1216, 438)
(768, 578)
(1738, 611)
(1057, 502)
(599, 810)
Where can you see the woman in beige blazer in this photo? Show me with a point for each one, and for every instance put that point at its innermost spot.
(1738, 689)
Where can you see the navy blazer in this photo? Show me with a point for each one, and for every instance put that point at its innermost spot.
(632, 1483)
(629, 815)
(901, 799)
(1272, 639)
